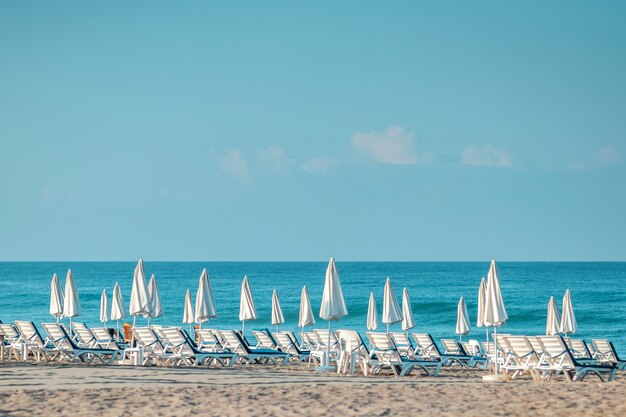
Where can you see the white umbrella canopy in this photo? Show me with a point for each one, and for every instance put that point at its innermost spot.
(462, 319)
(391, 309)
(372, 314)
(56, 298)
(407, 312)
(568, 318)
(188, 313)
(482, 300)
(277, 312)
(247, 311)
(139, 296)
(306, 317)
(553, 319)
(104, 308)
(495, 313)
(71, 303)
(205, 305)
(117, 304)
(118, 312)
(333, 306)
(156, 309)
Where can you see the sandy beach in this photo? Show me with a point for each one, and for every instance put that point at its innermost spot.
(27, 390)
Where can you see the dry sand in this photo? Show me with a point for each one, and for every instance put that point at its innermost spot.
(31, 390)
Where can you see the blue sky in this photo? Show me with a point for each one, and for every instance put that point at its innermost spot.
(282, 131)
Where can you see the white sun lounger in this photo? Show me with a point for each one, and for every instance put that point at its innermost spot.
(384, 353)
(71, 351)
(247, 354)
(557, 359)
(605, 353)
(154, 349)
(520, 358)
(287, 344)
(183, 350)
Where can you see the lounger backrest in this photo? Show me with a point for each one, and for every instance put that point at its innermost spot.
(381, 341)
(452, 347)
(147, 338)
(206, 338)
(323, 335)
(103, 339)
(159, 330)
(83, 334)
(534, 342)
(235, 342)
(175, 337)
(29, 332)
(312, 339)
(286, 344)
(59, 337)
(521, 348)
(401, 339)
(10, 333)
(578, 347)
(293, 337)
(471, 348)
(605, 350)
(263, 339)
(488, 347)
(426, 345)
(556, 350)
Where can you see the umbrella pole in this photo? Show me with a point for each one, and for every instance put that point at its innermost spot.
(495, 338)
(243, 327)
(328, 346)
(387, 327)
(71, 332)
(148, 321)
(277, 328)
(132, 337)
(117, 327)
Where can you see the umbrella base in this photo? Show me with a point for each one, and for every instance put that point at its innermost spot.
(325, 369)
(495, 378)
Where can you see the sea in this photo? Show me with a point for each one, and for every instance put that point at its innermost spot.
(598, 291)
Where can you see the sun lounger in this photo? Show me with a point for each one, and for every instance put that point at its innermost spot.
(520, 357)
(83, 337)
(403, 344)
(154, 349)
(579, 348)
(11, 341)
(264, 339)
(34, 342)
(184, 351)
(384, 353)
(557, 359)
(605, 353)
(208, 340)
(68, 349)
(426, 347)
(286, 344)
(237, 344)
(104, 339)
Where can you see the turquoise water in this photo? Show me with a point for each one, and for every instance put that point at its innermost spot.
(598, 291)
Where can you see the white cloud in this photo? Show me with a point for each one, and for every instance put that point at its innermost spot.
(233, 163)
(316, 165)
(488, 155)
(605, 157)
(276, 158)
(392, 146)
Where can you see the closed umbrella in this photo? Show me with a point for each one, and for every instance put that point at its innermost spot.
(553, 319)
(56, 298)
(462, 319)
(277, 312)
(482, 299)
(188, 315)
(495, 312)
(407, 312)
(568, 319)
(104, 308)
(391, 309)
(205, 304)
(156, 310)
(306, 317)
(139, 295)
(247, 311)
(71, 304)
(333, 305)
(118, 311)
(372, 314)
